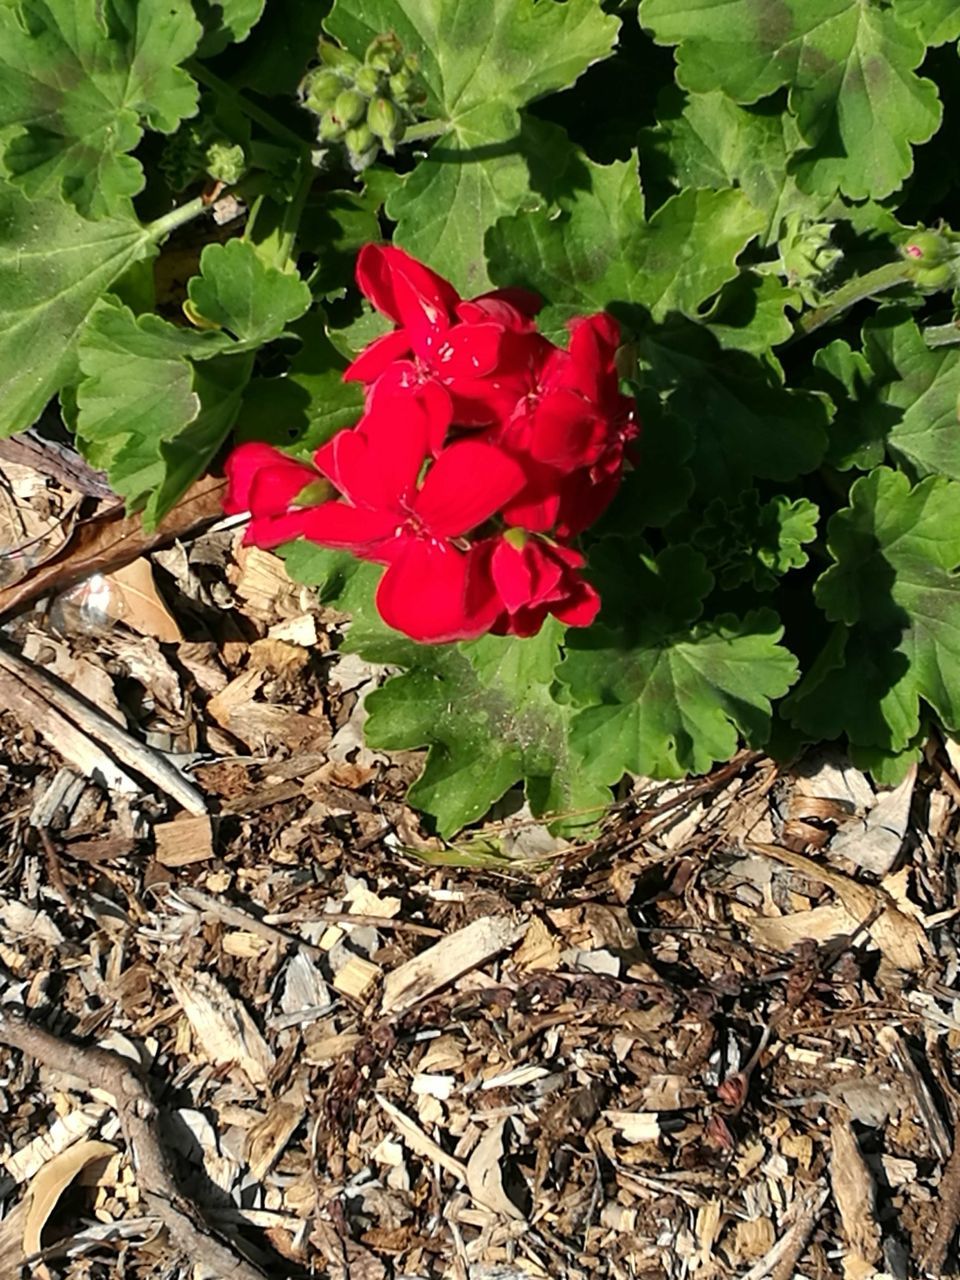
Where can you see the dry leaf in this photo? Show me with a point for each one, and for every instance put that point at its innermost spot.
(132, 597)
(49, 1185)
(103, 546)
(485, 1173)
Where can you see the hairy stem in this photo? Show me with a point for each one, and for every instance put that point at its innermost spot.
(848, 295)
(161, 227)
(942, 335)
(426, 130)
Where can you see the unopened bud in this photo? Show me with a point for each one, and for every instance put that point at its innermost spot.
(359, 139)
(516, 538)
(367, 81)
(331, 55)
(320, 89)
(401, 85)
(383, 119)
(384, 53)
(315, 492)
(330, 128)
(350, 107)
(931, 260)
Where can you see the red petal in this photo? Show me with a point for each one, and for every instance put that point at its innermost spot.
(405, 290)
(515, 308)
(377, 356)
(466, 485)
(273, 489)
(465, 351)
(423, 594)
(567, 433)
(524, 577)
(580, 608)
(334, 524)
(431, 398)
(247, 462)
(378, 462)
(272, 531)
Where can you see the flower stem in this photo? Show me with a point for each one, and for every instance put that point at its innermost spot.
(161, 227)
(426, 130)
(242, 103)
(856, 290)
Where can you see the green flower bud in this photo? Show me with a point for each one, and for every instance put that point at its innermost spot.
(933, 279)
(384, 53)
(384, 122)
(331, 55)
(927, 248)
(320, 88)
(367, 81)
(359, 139)
(330, 128)
(226, 163)
(401, 85)
(350, 107)
(362, 147)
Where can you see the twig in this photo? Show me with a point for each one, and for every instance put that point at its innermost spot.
(781, 1261)
(56, 870)
(136, 755)
(100, 1069)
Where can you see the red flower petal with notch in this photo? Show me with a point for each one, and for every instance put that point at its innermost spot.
(276, 489)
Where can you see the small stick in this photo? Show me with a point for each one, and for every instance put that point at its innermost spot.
(56, 870)
(100, 1069)
(135, 755)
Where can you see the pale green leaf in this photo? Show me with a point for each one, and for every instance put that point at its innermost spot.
(54, 265)
(849, 66)
(241, 293)
(600, 249)
(480, 64)
(79, 80)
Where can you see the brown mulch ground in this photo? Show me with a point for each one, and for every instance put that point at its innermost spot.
(722, 1040)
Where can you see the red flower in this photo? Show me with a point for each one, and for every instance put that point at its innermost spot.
(534, 578)
(418, 495)
(440, 341)
(434, 588)
(277, 491)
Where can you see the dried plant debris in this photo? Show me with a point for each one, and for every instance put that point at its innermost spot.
(721, 1039)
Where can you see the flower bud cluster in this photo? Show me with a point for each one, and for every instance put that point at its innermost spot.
(365, 105)
(483, 452)
(933, 259)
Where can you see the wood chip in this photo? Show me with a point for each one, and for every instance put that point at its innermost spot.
(183, 841)
(855, 1194)
(448, 960)
(222, 1026)
(356, 977)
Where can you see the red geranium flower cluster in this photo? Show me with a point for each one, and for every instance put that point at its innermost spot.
(483, 450)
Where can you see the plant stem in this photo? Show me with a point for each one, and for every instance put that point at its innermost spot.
(243, 103)
(161, 227)
(856, 290)
(426, 130)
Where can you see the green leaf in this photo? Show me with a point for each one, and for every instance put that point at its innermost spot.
(480, 64)
(744, 422)
(850, 67)
(54, 265)
(895, 589)
(897, 396)
(149, 415)
(487, 713)
(746, 541)
(751, 313)
(233, 22)
(935, 21)
(662, 698)
(600, 248)
(79, 79)
(919, 389)
(707, 140)
(239, 292)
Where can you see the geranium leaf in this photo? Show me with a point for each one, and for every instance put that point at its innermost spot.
(600, 248)
(155, 402)
(54, 265)
(895, 589)
(662, 698)
(480, 64)
(487, 714)
(79, 79)
(708, 140)
(238, 291)
(935, 21)
(897, 396)
(744, 422)
(850, 68)
(746, 541)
